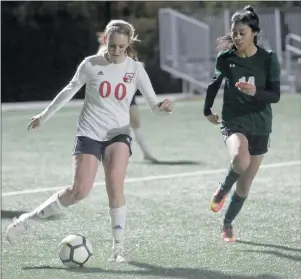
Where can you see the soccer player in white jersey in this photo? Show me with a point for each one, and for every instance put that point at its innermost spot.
(134, 113)
(103, 130)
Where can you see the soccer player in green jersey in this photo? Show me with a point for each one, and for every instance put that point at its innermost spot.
(252, 83)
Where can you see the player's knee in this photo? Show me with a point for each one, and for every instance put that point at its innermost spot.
(79, 191)
(240, 162)
(238, 147)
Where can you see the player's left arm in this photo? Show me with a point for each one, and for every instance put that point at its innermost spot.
(271, 94)
(145, 87)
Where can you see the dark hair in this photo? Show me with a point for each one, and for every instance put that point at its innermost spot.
(246, 16)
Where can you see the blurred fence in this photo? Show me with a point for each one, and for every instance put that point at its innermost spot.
(188, 48)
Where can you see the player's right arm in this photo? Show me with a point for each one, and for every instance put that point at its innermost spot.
(62, 98)
(212, 91)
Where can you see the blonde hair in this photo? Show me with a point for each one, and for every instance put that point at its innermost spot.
(122, 27)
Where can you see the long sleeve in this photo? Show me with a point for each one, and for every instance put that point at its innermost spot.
(145, 87)
(66, 93)
(271, 94)
(213, 87)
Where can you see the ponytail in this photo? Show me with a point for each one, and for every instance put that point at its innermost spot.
(131, 52)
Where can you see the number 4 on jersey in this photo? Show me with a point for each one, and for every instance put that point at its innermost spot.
(105, 89)
(250, 80)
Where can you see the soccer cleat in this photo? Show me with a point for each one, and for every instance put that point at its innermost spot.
(118, 256)
(217, 201)
(227, 233)
(17, 228)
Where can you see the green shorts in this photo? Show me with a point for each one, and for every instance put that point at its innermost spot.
(258, 144)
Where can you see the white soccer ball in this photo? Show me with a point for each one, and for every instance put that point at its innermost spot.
(75, 250)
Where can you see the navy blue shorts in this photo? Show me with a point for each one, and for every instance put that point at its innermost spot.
(85, 145)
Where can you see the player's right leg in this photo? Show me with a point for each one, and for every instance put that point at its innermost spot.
(86, 165)
(237, 145)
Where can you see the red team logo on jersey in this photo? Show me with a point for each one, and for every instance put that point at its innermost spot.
(128, 77)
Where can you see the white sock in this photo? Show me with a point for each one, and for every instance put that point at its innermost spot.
(118, 218)
(139, 136)
(50, 207)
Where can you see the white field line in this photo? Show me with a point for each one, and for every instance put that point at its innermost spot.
(77, 103)
(24, 114)
(152, 178)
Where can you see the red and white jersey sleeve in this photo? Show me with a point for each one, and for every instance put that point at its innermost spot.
(109, 91)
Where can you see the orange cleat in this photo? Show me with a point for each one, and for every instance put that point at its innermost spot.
(217, 201)
(227, 233)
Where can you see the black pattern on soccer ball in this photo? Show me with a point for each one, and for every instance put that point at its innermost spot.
(73, 250)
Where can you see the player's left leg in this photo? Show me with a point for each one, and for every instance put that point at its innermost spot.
(139, 136)
(115, 162)
(258, 146)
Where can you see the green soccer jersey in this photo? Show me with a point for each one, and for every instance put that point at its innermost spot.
(250, 114)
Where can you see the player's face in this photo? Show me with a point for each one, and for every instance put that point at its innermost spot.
(242, 36)
(117, 45)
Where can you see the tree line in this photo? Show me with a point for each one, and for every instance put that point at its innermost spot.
(44, 42)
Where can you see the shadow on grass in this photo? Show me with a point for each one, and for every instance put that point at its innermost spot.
(276, 253)
(9, 214)
(153, 270)
(258, 244)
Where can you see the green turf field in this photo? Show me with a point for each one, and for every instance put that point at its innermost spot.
(170, 231)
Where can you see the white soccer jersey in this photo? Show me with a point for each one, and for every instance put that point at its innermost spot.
(109, 91)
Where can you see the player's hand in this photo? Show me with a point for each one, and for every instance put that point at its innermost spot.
(246, 88)
(214, 118)
(34, 122)
(166, 105)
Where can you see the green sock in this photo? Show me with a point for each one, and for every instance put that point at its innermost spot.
(229, 181)
(234, 208)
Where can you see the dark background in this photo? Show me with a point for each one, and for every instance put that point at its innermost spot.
(42, 43)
